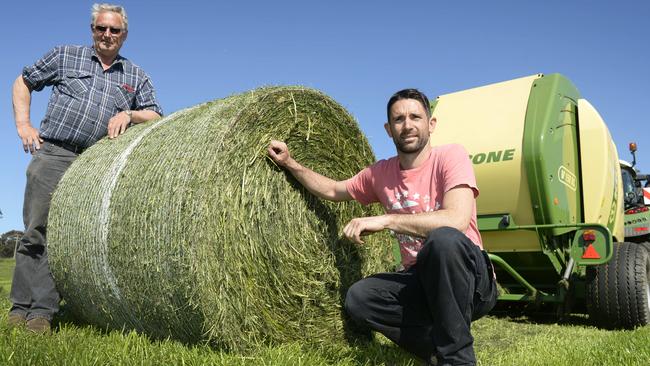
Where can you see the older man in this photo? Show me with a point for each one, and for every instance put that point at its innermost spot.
(96, 92)
(429, 196)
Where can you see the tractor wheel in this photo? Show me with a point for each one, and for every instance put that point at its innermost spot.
(618, 292)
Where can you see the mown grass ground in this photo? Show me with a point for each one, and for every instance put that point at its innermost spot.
(499, 341)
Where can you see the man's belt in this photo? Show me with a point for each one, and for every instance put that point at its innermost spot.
(64, 145)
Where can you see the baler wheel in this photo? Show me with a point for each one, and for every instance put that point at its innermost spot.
(618, 292)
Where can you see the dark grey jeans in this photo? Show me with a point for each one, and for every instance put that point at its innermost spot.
(428, 309)
(33, 293)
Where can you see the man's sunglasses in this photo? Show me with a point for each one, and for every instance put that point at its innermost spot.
(102, 29)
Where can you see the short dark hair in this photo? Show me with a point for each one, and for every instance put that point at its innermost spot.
(409, 94)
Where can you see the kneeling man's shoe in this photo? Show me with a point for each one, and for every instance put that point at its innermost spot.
(39, 325)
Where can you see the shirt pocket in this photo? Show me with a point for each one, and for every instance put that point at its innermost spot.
(77, 83)
(123, 98)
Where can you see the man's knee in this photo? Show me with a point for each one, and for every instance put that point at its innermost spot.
(442, 242)
(355, 301)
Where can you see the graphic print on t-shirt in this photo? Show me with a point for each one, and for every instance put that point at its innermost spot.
(405, 202)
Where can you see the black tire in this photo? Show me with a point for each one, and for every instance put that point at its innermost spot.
(646, 245)
(618, 292)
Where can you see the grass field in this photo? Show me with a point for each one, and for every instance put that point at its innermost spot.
(6, 269)
(499, 341)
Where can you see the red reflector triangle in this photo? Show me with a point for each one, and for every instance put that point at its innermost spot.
(591, 253)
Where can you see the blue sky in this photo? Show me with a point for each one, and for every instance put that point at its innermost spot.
(358, 52)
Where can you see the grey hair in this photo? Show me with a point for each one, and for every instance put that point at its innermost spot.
(99, 8)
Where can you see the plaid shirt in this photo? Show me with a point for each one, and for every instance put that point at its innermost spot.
(84, 96)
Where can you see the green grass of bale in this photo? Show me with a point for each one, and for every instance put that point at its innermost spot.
(184, 228)
(498, 341)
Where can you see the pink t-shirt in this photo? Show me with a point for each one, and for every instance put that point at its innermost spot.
(416, 190)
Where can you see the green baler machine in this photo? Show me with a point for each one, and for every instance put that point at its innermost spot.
(550, 208)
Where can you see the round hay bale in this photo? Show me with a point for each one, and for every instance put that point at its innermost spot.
(184, 228)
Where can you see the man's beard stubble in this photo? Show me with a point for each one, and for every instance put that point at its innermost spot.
(405, 149)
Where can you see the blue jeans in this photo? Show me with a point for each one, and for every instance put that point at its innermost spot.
(428, 309)
(33, 293)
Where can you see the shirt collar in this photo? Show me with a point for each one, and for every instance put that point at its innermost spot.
(118, 60)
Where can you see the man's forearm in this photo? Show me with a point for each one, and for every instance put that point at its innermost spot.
(418, 225)
(456, 211)
(319, 185)
(21, 99)
(422, 223)
(143, 116)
